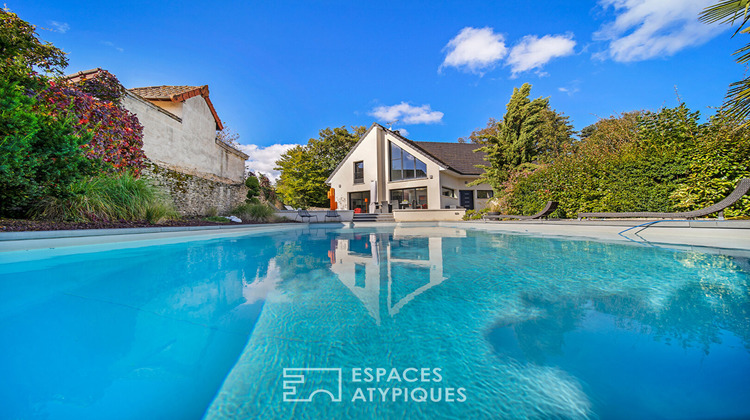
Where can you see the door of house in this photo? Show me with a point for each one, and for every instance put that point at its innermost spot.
(359, 200)
(466, 199)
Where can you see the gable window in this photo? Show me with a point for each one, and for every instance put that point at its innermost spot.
(359, 172)
(485, 194)
(405, 166)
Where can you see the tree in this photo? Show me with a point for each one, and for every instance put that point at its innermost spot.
(267, 192)
(40, 150)
(304, 169)
(253, 188)
(737, 101)
(530, 130)
(21, 51)
(228, 136)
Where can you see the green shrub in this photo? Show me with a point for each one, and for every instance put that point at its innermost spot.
(40, 153)
(475, 214)
(256, 212)
(212, 212)
(253, 189)
(217, 219)
(108, 197)
(663, 161)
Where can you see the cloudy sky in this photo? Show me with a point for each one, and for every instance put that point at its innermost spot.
(279, 71)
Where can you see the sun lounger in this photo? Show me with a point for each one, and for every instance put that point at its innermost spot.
(546, 211)
(742, 188)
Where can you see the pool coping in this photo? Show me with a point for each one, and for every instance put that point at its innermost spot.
(721, 234)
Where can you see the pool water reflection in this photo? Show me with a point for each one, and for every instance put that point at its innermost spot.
(527, 326)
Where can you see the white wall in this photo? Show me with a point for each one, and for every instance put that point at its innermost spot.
(458, 183)
(187, 143)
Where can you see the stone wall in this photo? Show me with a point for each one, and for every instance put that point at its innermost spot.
(193, 193)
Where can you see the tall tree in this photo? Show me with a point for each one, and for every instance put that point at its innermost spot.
(529, 131)
(304, 169)
(737, 101)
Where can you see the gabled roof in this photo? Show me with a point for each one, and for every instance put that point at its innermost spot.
(458, 157)
(159, 93)
(177, 94)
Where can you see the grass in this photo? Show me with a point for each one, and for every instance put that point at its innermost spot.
(108, 197)
(217, 219)
(255, 212)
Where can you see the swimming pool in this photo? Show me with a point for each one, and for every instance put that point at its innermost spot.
(387, 322)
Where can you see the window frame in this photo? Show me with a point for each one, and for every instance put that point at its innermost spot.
(360, 180)
(403, 164)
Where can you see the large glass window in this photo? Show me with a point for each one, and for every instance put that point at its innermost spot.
(359, 172)
(409, 198)
(449, 192)
(405, 166)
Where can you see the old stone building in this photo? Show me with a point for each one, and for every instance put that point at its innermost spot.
(183, 152)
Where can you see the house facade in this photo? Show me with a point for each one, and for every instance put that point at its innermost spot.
(385, 168)
(180, 142)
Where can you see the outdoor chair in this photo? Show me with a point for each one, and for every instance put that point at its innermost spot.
(544, 213)
(742, 188)
(306, 214)
(333, 214)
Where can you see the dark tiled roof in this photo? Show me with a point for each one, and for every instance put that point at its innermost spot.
(163, 93)
(459, 157)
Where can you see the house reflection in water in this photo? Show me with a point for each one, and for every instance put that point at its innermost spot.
(387, 270)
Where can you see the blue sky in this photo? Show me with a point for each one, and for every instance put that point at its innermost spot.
(280, 71)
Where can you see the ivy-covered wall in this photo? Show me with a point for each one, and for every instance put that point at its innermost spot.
(194, 194)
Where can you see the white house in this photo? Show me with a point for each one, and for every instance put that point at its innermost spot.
(386, 170)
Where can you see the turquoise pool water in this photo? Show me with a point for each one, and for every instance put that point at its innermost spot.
(405, 322)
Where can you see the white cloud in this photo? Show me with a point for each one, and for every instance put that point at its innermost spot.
(533, 52)
(60, 27)
(111, 44)
(474, 50)
(402, 131)
(645, 29)
(263, 159)
(407, 114)
(569, 91)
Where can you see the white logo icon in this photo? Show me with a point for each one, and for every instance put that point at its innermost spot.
(302, 384)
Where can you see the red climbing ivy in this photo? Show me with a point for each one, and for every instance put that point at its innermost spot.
(95, 103)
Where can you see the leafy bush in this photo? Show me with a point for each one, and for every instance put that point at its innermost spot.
(40, 154)
(217, 219)
(475, 214)
(663, 161)
(256, 212)
(253, 189)
(212, 212)
(720, 160)
(108, 197)
(117, 135)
